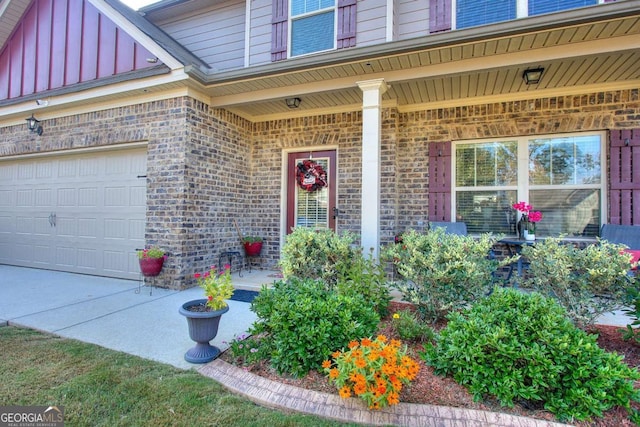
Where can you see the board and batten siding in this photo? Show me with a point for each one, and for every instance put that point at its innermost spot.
(214, 34)
(412, 18)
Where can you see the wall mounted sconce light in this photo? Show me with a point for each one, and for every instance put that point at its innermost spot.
(34, 125)
(533, 76)
(293, 102)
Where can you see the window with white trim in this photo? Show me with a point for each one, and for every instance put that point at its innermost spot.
(313, 26)
(471, 13)
(559, 175)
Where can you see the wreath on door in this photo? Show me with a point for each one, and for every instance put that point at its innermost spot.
(310, 176)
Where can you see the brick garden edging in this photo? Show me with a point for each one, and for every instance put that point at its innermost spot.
(280, 396)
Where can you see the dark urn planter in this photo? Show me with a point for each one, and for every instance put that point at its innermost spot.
(151, 266)
(252, 249)
(203, 327)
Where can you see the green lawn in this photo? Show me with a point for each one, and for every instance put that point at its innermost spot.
(98, 387)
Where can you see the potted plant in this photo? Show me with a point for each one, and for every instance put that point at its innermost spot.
(203, 315)
(151, 260)
(252, 245)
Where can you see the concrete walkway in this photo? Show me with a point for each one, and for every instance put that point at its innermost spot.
(145, 322)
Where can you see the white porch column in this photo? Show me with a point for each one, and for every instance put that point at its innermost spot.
(372, 91)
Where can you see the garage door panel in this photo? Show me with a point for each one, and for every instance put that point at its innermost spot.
(24, 225)
(81, 213)
(88, 167)
(42, 226)
(67, 197)
(88, 196)
(45, 169)
(43, 256)
(6, 198)
(87, 227)
(24, 198)
(66, 256)
(43, 197)
(26, 172)
(115, 229)
(88, 259)
(116, 196)
(66, 226)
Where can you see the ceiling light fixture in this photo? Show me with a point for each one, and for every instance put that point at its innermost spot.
(293, 102)
(533, 76)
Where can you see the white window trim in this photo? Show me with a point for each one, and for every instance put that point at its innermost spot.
(522, 187)
(292, 18)
(522, 10)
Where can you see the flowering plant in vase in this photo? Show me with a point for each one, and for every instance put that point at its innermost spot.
(533, 218)
(529, 217)
(217, 286)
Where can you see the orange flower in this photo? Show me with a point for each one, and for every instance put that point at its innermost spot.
(345, 392)
(334, 373)
(326, 364)
(375, 405)
(353, 344)
(366, 342)
(360, 362)
(388, 369)
(393, 398)
(359, 388)
(335, 354)
(382, 338)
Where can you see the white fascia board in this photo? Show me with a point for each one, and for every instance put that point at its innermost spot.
(139, 36)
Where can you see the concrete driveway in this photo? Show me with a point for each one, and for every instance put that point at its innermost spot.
(112, 313)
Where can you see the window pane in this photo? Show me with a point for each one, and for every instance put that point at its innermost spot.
(487, 164)
(572, 212)
(486, 211)
(558, 161)
(470, 13)
(299, 7)
(537, 7)
(312, 34)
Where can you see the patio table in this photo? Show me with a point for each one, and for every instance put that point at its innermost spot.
(514, 247)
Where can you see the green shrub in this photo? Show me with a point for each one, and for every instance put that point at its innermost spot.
(338, 262)
(317, 254)
(410, 328)
(303, 322)
(586, 282)
(442, 272)
(633, 311)
(522, 347)
(367, 278)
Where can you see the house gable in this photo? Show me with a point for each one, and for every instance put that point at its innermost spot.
(62, 43)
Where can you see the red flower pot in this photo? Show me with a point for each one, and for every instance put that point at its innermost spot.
(151, 266)
(252, 249)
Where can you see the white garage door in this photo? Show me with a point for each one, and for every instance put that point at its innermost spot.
(82, 213)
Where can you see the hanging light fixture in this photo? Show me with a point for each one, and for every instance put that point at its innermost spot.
(34, 125)
(293, 102)
(533, 76)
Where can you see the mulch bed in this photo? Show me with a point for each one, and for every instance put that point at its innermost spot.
(429, 388)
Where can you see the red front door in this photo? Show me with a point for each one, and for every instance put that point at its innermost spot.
(315, 208)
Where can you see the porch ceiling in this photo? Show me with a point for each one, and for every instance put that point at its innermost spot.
(441, 72)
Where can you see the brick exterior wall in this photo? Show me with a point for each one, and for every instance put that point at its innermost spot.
(207, 167)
